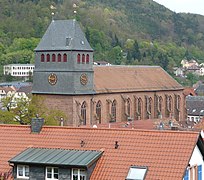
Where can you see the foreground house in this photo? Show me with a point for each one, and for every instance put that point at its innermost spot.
(92, 153)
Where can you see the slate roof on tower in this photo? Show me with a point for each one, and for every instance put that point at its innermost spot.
(63, 35)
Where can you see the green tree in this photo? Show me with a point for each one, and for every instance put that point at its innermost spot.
(192, 78)
(136, 51)
(22, 110)
(116, 55)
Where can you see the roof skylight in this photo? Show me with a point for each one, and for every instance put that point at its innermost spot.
(136, 173)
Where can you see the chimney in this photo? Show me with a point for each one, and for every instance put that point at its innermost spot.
(61, 121)
(36, 124)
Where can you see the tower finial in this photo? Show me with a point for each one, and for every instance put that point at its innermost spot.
(53, 8)
(74, 9)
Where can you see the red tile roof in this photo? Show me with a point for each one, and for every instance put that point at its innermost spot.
(165, 153)
(136, 124)
(189, 91)
(109, 79)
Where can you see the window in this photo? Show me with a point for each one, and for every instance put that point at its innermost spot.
(193, 172)
(83, 113)
(53, 58)
(78, 59)
(170, 103)
(148, 107)
(178, 102)
(22, 171)
(87, 59)
(113, 111)
(79, 174)
(128, 107)
(64, 57)
(136, 173)
(42, 58)
(83, 58)
(160, 104)
(186, 177)
(200, 172)
(139, 108)
(98, 111)
(52, 173)
(59, 57)
(48, 58)
(68, 41)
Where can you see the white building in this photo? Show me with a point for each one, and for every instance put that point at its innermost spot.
(195, 167)
(19, 70)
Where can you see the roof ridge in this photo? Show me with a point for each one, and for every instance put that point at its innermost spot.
(120, 129)
(62, 149)
(100, 129)
(129, 66)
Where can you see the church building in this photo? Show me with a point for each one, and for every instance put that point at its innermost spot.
(90, 94)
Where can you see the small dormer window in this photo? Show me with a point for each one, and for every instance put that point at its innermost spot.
(79, 174)
(136, 173)
(52, 173)
(22, 171)
(68, 41)
(82, 42)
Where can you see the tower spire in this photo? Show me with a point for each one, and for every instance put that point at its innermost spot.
(53, 8)
(75, 9)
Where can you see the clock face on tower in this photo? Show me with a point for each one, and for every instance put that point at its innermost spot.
(52, 79)
(83, 79)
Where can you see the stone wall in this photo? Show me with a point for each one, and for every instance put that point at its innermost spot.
(71, 105)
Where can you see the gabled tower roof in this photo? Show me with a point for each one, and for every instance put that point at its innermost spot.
(64, 35)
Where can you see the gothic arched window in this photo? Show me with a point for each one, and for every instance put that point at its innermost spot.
(128, 107)
(83, 113)
(170, 103)
(160, 103)
(53, 58)
(78, 59)
(64, 57)
(59, 58)
(113, 111)
(42, 58)
(98, 111)
(87, 59)
(139, 107)
(48, 57)
(150, 105)
(83, 58)
(178, 102)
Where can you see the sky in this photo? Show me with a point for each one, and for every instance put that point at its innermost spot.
(186, 6)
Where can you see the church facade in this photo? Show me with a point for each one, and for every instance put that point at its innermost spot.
(66, 77)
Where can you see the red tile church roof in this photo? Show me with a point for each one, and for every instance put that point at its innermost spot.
(109, 79)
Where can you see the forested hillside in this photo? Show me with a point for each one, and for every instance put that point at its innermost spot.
(120, 31)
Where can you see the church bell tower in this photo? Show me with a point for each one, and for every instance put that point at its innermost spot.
(63, 61)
